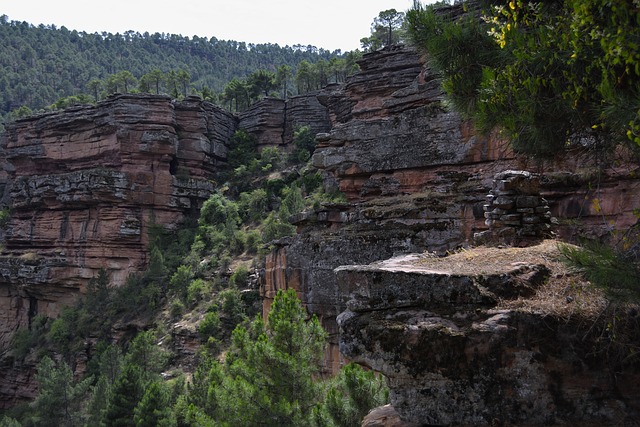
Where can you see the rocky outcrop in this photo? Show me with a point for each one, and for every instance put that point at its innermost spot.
(415, 175)
(454, 355)
(305, 110)
(273, 121)
(264, 120)
(392, 135)
(83, 187)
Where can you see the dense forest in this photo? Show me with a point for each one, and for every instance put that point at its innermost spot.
(41, 65)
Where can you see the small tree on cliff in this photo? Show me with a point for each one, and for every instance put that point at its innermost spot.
(267, 378)
(60, 399)
(385, 30)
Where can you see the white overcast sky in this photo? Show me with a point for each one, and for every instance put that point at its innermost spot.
(330, 24)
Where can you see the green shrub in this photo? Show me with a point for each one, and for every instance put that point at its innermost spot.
(613, 270)
(25, 339)
(239, 277)
(177, 308)
(5, 217)
(231, 305)
(253, 205)
(197, 291)
(209, 326)
(253, 241)
(305, 143)
(180, 280)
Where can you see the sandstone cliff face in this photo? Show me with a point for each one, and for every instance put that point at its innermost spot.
(416, 177)
(455, 355)
(414, 173)
(273, 121)
(84, 185)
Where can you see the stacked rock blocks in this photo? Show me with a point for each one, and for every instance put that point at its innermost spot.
(515, 212)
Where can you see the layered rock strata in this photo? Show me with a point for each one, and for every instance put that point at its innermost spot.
(83, 187)
(273, 121)
(454, 355)
(415, 175)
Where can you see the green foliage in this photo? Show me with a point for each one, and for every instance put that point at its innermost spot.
(239, 277)
(253, 205)
(19, 113)
(244, 148)
(25, 339)
(59, 398)
(68, 331)
(459, 50)
(353, 393)
(231, 305)
(615, 271)
(209, 326)
(176, 308)
(219, 211)
(180, 280)
(99, 402)
(154, 409)
(70, 101)
(304, 141)
(261, 82)
(267, 378)
(144, 353)
(110, 363)
(127, 392)
(43, 64)
(197, 291)
(551, 75)
(385, 30)
(9, 422)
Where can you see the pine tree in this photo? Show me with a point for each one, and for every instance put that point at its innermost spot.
(268, 377)
(59, 397)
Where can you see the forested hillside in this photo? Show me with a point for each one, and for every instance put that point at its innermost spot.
(41, 65)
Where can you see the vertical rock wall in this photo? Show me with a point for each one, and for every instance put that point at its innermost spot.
(273, 121)
(83, 186)
(416, 177)
(414, 173)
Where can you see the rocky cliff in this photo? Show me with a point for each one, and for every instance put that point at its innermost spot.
(416, 177)
(83, 187)
(273, 121)
(457, 351)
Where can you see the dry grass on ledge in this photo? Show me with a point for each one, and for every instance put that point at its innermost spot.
(565, 294)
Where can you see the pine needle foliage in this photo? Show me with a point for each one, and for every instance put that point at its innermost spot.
(614, 271)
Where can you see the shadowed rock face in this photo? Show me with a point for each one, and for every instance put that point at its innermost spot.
(84, 185)
(416, 177)
(453, 358)
(414, 173)
(273, 121)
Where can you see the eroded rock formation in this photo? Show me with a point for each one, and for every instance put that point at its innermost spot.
(83, 187)
(416, 177)
(455, 355)
(414, 173)
(273, 121)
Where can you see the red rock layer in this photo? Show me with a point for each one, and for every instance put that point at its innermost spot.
(83, 187)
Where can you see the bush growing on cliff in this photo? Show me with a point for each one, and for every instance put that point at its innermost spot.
(615, 270)
(351, 395)
(550, 75)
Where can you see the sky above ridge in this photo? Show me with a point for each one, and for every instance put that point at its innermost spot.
(329, 24)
